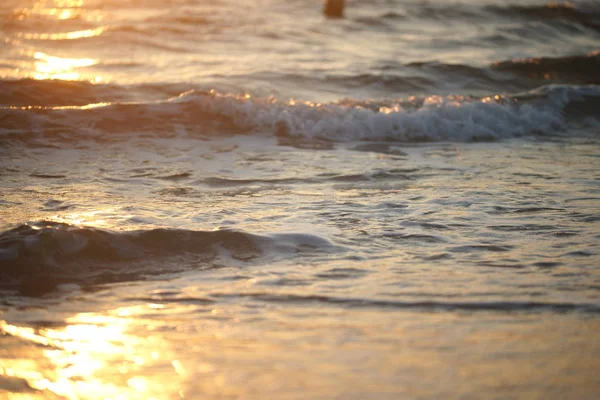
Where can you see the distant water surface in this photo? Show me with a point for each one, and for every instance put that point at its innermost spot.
(246, 200)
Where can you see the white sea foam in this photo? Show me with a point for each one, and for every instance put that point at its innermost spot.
(432, 118)
(435, 118)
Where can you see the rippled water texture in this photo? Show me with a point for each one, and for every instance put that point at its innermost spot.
(247, 200)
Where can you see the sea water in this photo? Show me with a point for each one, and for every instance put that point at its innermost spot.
(248, 200)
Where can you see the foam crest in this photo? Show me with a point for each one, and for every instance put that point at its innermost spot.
(36, 257)
(454, 118)
(434, 118)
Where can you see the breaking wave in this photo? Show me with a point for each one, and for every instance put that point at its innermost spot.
(544, 111)
(37, 257)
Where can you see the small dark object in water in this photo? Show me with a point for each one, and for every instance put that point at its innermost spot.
(334, 8)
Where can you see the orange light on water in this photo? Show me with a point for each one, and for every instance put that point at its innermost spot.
(86, 33)
(95, 356)
(51, 67)
(30, 40)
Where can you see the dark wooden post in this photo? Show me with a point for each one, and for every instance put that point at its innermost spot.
(334, 8)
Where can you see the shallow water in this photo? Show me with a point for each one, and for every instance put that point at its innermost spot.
(259, 202)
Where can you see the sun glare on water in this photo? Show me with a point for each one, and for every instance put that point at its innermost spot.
(95, 356)
(38, 42)
(50, 67)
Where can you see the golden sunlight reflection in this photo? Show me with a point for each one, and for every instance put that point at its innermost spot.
(116, 355)
(50, 67)
(96, 217)
(56, 15)
(61, 9)
(86, 33)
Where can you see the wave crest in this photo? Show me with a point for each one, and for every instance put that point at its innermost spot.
(580, 69)
(41, 255)
(36, 257)
(433, 118)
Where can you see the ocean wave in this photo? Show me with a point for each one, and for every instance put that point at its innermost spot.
(392, 83)
(427, 10)
(52, 93)
(190, 19)
(499, 306)
(37, 257)
(385, 20)
(49, 243)
(578, 69)
(23, 22)
(385, 78)
(34, 92)
(544, 111)
(145, 30)
(378, 175)
(523, 73)
(584, 13)
(389, 78)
